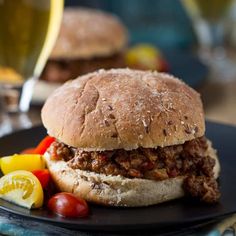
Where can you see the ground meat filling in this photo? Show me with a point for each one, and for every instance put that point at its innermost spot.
(189, 159)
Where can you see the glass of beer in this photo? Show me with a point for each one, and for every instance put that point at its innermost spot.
(28, 30)
(211, 21)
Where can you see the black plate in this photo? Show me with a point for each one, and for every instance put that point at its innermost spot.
(172, 213)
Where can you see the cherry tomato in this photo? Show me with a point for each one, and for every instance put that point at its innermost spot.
(44, 145)
(28, 151)
(67, 205)
(43, 177)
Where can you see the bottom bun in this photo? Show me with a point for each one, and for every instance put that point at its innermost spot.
(118, 190)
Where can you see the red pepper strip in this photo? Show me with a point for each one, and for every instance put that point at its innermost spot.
(44, 145)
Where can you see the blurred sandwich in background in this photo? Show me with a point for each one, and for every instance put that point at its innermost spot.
(88, 40)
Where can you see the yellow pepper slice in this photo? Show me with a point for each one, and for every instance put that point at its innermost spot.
(28, 162)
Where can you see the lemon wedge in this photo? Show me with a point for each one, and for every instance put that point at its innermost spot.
(22, 188)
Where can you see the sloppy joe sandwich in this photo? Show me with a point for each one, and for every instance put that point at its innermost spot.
(130, 138)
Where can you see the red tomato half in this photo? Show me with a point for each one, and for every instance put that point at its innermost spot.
(43, 177)
(67, 205)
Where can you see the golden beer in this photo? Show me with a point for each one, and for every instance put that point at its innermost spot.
(28, 30)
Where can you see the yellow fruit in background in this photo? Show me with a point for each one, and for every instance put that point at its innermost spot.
(144, 55)
(22, 188)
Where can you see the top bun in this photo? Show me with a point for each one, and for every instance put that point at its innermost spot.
(87, 33)
(124, 109)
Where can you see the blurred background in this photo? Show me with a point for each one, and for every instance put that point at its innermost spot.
(161, 22)
(193, 39)
(187, 30)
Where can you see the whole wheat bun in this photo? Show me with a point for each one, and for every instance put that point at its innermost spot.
(124, 109)
(87, 33)
(118, 190)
